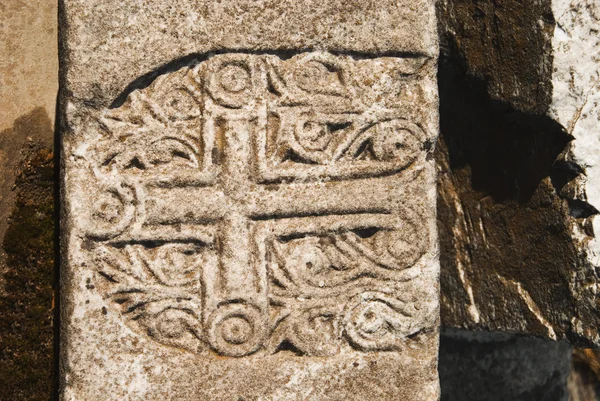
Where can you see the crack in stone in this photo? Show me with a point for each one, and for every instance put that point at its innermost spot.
(531, 305)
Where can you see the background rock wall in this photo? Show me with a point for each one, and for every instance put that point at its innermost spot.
(513, 241)
(28, 86)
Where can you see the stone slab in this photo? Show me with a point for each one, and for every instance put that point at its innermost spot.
(102, 53)
(249, 201)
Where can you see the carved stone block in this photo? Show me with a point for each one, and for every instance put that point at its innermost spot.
(251, 224)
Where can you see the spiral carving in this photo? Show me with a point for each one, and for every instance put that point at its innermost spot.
(376, 321)
(231, 81)
(112, 212)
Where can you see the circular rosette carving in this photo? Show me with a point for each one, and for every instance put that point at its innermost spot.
(378, 322)
(236, 329)
(312, 135)
(317, 331)
(232, 80)
(112, 211)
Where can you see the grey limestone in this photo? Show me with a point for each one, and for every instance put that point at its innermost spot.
(249, 200)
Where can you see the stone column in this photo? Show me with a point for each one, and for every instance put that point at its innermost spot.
(249, 200)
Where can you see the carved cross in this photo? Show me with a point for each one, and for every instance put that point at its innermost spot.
(292, 176)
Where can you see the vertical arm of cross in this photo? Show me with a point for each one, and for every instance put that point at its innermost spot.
(236, 299)
(237, 278)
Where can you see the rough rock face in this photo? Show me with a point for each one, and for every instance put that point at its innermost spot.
(249, 200)
(515, 213)
(27, 295)
(28, 87)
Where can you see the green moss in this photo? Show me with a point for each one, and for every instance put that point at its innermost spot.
(26, 304)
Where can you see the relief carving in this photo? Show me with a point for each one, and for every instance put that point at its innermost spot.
(249, 203)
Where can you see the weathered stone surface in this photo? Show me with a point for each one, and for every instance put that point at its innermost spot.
(118, 31)
(29, 62)
(28, 88)
(256, 218)
(515, 239)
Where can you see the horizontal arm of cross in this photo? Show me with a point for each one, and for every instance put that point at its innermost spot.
(208, 205)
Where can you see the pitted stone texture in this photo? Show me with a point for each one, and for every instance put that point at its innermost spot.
(252, 225)
(117, 31)
(29, 62)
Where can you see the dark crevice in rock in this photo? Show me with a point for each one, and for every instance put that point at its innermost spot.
(581, 210)
(508, 151)
(507, 45)
(566, 178)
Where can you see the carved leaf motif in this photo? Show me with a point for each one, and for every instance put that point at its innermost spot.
(377, 321)
(147, 151)
(382, 146)
(312, 277)
(155, 127)
(312, 264)
(157, 288)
